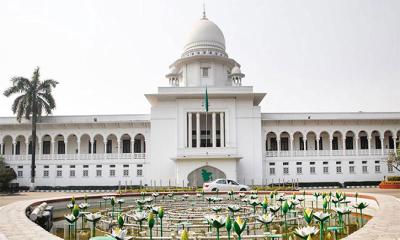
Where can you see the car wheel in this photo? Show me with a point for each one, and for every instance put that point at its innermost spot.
(214, 189)
(243, 189)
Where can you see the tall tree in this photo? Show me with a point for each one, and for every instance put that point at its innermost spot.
(33, 97)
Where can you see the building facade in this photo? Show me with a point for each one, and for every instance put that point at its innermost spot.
(179, 143)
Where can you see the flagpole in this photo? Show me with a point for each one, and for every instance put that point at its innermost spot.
(206, 132)
(206, 108)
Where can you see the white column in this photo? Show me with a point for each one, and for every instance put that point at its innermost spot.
(119, 146)
(214, 130)
(278, 146)
(145, 148)
(26, 146)
(395, 147)
(92, 148)
(39, 143)
(79, 149)
(198, 130)
(344, 145)
(382, 145)
(66, 146)
(317, 142)
(291, 142)
(13, 144)
(132, 147)
(330, 146)
(369, 145)
(189, 131)
(53, 149)
(105, 149)
(305, 146)
(222, 129)
(357, 145)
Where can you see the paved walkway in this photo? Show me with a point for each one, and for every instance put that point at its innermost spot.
(14, 225)
(10, 198)
(385, 225)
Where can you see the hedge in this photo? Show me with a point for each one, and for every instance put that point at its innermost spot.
(393, 178)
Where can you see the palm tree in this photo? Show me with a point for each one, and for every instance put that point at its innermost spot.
(34, 96)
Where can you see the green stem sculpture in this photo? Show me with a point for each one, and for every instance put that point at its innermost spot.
(161, 215)
(151, 221)
(94, 230)
(321, 230)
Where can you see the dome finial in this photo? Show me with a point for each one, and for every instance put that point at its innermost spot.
(204, 11)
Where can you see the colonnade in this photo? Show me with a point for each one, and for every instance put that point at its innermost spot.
(200, 127)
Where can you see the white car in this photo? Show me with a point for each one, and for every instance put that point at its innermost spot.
(224, 185)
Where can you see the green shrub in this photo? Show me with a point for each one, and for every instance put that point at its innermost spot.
(7, 174)
(274, 188)
(393, 178)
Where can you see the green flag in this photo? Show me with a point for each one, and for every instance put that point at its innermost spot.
(206, 100)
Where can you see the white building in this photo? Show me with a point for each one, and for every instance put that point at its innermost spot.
(180, 144)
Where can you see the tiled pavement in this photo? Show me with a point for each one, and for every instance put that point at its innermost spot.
(15, 225)
(385, 225)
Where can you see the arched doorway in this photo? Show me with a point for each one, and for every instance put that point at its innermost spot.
(204, 174)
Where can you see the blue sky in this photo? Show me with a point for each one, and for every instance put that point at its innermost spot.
(309, 56)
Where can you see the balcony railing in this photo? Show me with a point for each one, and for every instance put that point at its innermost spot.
(363, 152)
(85, 156)
(340, 152)
(350, 152)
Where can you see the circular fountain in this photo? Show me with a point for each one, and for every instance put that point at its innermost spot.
(255, 215)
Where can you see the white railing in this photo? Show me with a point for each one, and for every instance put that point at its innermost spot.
(311, 153)
(125, 155)
(350, 152)
(325, 152)
(388, 151)
(337, 152)
(363, 152)
(110, 155)
(86, 156)
(340, 152)
(298, 153)
(284, 153)
(376, 151)
(139, 155)
(271, 153)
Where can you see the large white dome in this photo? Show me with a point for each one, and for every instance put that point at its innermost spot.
(205, 35)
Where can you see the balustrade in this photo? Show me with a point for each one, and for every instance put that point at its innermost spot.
(339, 152)
(85, 156)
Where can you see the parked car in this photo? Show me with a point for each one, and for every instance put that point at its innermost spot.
(223, 184)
